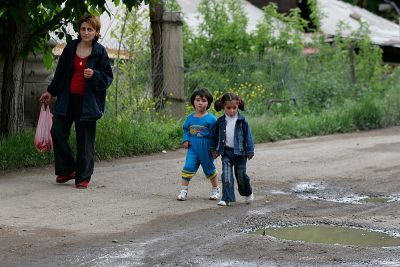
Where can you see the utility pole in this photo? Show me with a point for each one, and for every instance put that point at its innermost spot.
(167, 68)
(156, 21)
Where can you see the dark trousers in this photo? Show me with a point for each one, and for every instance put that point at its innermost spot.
(85, 132)
(238, 163)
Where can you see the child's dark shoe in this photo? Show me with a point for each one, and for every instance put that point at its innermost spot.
(82, 185)
(61, 179)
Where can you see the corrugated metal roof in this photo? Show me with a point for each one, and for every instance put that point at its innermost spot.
(382, 31)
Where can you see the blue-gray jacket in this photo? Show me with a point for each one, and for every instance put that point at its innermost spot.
(94, 98)
(243, 140)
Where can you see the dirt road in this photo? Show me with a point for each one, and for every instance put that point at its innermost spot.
(130, 217)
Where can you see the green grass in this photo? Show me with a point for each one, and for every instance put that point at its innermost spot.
(119, 137)
(19, 151)
(115, 138)
(364, 114)
(125, 137)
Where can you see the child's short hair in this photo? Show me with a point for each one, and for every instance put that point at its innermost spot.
(220, 102)
(203, 92)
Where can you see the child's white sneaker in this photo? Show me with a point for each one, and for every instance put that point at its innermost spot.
(223, 203)
(182, 195)
(215, 194)
(249, 199)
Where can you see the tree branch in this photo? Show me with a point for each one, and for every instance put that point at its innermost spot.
(45, 28)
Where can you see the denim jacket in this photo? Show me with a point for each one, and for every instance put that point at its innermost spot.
(243, 140)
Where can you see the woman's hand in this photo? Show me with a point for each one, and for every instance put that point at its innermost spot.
(45, 98)
(249, 157)
(88, 73)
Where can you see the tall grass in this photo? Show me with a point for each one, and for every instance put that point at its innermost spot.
(126, 137)
(19, 151)
(122, 136)
(116, 137)
(364, 114)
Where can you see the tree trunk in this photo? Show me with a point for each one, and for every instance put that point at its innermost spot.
(12, 89)
(12, 95)
(362, 3)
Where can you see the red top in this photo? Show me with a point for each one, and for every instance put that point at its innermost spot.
(78, 80)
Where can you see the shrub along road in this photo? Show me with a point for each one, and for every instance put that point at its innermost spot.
(129, 216)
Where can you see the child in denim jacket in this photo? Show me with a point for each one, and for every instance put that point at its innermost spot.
(197, 139)
(234, 142)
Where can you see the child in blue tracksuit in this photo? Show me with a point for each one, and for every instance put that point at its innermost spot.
(197, 138)
(234, 142)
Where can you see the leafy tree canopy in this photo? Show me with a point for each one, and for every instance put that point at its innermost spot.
(43, 16)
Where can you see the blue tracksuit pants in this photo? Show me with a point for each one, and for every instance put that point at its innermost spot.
(199, 153)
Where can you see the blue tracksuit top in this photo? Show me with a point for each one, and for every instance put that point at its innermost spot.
(195, 128)
(198, 131)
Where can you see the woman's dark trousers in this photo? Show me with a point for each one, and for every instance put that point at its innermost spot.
(85, 131)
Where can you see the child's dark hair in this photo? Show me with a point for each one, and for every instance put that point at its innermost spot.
(220, 102)
(203, 92)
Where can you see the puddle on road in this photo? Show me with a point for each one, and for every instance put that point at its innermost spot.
(318, 190)
(309, 187)
(332, 235)
(377, 199)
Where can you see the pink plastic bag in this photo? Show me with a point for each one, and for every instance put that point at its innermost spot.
(43, 141)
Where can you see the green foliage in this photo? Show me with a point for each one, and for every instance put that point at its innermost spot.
(132, 68)
(41, 17)
(19, 151)
(366, 114)
(276, 62)
(391, 101)
(123, 136)
(116, 137)
(353, 115)
(316, 14)
(172, 5)
(278, 30)
(222, 32)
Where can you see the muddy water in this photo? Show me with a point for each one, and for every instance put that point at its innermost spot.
(333, 235)
(319, 190)
(377, 199)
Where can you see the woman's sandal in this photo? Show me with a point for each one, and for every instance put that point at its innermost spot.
(82, 185)
(61, 179)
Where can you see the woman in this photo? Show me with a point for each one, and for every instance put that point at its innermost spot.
(81, 79)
